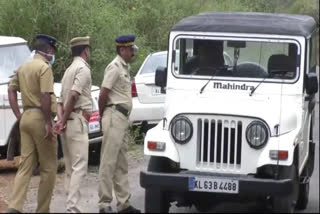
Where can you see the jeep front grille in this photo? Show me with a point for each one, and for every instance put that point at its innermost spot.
(219, 143)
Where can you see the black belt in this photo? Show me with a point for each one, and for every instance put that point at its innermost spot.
(121, 109)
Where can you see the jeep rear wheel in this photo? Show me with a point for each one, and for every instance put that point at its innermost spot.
(155, 199)
(286, 204)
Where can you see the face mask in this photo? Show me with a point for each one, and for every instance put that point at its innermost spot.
(52, 59)
(49, 55)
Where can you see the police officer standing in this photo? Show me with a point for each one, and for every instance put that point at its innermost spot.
(115, 104)
(34, 80)
(74, 109)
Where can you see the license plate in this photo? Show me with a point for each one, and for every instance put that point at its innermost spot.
(94, 127)
(155, 91)
(204, 184)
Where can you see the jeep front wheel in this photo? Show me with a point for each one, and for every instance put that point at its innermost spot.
(155, 199)
(286, 204)
(303, 198)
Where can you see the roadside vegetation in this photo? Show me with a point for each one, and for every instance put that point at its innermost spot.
(104, 20)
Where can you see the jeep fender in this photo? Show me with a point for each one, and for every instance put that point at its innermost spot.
(158, 134)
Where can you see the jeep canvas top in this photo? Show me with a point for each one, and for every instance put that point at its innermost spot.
(241, 127)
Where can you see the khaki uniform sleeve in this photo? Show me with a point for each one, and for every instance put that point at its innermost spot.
(46, 80)
(14, 83)
(111, 76)
(81, 79)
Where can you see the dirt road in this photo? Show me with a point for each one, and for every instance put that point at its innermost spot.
(89, 190)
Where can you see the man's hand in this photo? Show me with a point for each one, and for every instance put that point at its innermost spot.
(49, 131)
(59, 127)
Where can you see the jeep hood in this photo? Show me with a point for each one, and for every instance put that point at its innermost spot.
(263, 107)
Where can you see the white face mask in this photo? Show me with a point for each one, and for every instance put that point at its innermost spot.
(52, 56)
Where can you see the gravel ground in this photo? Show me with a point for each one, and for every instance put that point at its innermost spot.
(89, 190)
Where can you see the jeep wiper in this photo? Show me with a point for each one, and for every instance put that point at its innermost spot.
(255, 88)
(203, 87)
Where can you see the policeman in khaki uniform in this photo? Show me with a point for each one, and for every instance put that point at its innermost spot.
(34, 80)
(74, 109)
(115, 104)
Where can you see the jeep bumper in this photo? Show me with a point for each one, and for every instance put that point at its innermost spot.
(179, 182)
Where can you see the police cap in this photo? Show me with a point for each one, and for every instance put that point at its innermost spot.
(126, 41)
(47, 39)
(79, 41)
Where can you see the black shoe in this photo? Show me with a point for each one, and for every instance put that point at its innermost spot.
(130, 209)
(106, 209)
(11, 210)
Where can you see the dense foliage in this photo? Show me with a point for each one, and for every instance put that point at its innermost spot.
(104, 20)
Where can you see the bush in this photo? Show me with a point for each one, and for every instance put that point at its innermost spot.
(104, 20)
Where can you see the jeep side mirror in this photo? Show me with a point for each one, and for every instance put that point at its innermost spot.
(161, 78)
(311, 83)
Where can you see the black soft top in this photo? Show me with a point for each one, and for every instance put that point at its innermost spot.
(242, 22)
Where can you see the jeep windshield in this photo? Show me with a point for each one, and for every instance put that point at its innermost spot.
(11, 57)
(248, 59)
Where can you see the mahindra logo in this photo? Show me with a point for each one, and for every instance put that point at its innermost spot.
(232, 86)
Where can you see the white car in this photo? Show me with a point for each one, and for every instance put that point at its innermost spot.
(14, 51)
(147, 98)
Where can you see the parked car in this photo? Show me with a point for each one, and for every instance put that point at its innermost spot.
(147, 100)
(14, 51)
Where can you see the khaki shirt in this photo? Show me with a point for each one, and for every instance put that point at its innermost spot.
(32, 79)
(77, 78)
(117, 80)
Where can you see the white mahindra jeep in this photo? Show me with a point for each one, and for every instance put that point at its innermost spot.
(236, 129)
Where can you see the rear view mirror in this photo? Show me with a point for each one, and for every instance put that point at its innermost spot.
(311, 83)
(161, 78)
(236, 44)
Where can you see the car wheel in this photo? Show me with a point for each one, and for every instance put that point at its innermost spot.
(155, 199)
(286, 204)
(94, 154)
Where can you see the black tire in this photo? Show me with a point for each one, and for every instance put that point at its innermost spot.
(303, 198)
(286, 204)
(155, 199)
(59, 148)
(94, 154)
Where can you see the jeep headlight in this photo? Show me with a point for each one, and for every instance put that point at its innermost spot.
(181, 129)
(257, 134)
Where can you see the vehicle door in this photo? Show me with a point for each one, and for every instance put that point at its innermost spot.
(309, 100)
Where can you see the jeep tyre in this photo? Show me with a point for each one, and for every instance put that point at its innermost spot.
(303, 197)
(286, 204)
(155, 199)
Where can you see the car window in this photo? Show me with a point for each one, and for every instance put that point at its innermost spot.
(153, 62)
(11, 57)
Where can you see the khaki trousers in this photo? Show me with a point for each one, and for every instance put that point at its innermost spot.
(113, 171)
(75, 147)
(34, 149)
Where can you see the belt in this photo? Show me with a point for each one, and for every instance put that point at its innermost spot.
(120, 109)
(36, 109)
(85, 114)
(33, 109)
